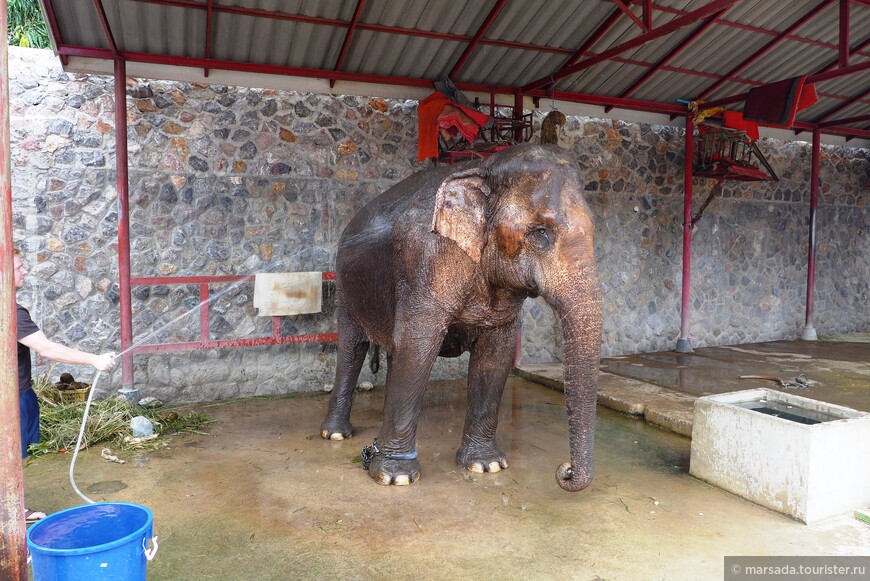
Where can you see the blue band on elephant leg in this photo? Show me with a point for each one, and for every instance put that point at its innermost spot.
(368, 453)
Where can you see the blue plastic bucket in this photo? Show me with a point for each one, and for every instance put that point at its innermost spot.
(106, 540)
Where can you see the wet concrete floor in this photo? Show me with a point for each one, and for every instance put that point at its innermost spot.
(264, 497)
(662, 387)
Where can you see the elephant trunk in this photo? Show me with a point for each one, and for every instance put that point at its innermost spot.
(577, 302)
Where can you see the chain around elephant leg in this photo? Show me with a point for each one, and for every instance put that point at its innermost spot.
(398, 469)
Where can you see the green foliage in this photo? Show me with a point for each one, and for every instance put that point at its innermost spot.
(108, 421)
(26, 27)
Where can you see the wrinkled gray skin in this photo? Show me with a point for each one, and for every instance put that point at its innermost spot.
(440, 264)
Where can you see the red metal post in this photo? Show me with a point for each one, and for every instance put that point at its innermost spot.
(518, 117)
(204, 330)
(13, 550)
(844, 33)
(684, 345)
(122, 186)
(809, 333)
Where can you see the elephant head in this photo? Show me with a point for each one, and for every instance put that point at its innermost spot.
(521, 217)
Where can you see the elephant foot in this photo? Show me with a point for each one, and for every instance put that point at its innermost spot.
(481, 459)
(390, 469)
(332, 429)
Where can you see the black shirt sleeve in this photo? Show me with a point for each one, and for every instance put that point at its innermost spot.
(26, 326)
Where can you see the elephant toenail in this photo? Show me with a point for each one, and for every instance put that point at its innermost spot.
(402, 480)
(383, 479)
(494, 467)
(476, 467)
(336, 436)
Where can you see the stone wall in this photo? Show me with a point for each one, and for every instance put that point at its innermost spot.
(227, 180)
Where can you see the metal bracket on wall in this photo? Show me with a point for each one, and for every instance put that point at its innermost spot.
(717, 189)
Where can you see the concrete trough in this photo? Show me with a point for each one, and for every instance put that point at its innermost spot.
(798, 456)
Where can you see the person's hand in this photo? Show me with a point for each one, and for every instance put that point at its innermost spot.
(105, 361)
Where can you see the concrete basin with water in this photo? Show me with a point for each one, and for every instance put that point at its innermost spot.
(798, 456)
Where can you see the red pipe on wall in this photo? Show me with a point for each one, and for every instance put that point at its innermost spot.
(122, 185)
(809, 333)
(683, 343)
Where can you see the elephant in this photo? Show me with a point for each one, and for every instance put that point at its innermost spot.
(440, 264)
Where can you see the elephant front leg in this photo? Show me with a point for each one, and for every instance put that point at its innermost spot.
(490, 364)
(392, 459)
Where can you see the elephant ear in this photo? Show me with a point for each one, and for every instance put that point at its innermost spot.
(460, 210)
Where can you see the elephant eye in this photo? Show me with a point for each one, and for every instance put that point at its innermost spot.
(540, 237)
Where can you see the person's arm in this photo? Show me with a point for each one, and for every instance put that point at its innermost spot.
(63, 354)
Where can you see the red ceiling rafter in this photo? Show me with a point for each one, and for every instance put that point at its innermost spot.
(594, 37)
(200, 63)
(765, 49)
(493, 14)
(751, 28)
(848, 102)
(648, 14)
(676, 24)
(627, 11)
(816, 78)
(55, 29)
(674, 52)
(844, 33)
(345, 46)
(845, 121)
(836, 62)
(259, 13)
(98, 5)
(208, 15)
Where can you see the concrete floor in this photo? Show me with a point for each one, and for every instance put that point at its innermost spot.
(264, 497)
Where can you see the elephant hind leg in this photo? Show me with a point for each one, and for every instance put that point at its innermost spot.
(352, 349)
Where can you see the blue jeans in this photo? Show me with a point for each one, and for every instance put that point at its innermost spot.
(29, 419)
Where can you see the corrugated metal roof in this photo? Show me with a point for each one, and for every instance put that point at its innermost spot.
(488, 45)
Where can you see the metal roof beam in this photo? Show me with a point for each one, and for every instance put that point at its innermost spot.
(98, 5)
(844, 121)
(493, 14)
(667, 58)
(844, 33)
(676, 24)
(751, 28)
(648, 14)
(834, 110)
(627, 11)
(815, 78)
(836, 61)
(347, 38)
(766, 48)
(595, 37)
(208, 15)
(200, 63)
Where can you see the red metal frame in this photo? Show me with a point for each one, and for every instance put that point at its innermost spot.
(345, 46)
(811, 251)
(766, 48)
(122, 187)
(205, 341)
(683, 343)
(478, 37)
(627, 11)
(706, 10)
(713, 12)
(13, 555)
(844, 33)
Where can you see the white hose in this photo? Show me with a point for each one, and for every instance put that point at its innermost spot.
(72, 466)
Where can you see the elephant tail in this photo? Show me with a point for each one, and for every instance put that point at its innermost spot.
(375, 358)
